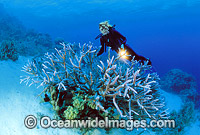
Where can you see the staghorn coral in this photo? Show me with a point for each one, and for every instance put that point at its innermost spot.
(86, 85)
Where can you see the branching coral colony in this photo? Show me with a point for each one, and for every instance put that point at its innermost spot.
(78, 84)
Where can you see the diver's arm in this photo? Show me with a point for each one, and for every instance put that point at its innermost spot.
(102, 47)
(99, 36)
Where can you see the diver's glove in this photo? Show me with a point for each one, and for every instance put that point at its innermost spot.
(98, 54)
(124, 42)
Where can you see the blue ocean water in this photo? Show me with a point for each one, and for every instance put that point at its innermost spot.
(167, 32)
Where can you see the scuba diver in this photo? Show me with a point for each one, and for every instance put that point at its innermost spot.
(112, 38)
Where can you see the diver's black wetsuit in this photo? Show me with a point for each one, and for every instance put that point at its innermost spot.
(114, 40)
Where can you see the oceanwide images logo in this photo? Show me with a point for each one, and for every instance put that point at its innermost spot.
(46, 122)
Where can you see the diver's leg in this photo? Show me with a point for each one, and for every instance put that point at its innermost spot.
(133, 53)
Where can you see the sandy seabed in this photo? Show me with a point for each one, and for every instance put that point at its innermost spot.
(18, 101)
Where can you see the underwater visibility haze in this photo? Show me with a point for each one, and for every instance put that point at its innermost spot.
(166, 32)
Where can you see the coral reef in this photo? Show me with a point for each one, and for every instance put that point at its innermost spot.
(8, 51)
(80, 84)
(177, 81)
(59, 40)
(182, 83)
(184, 118)
(34, 43)
(28, 42)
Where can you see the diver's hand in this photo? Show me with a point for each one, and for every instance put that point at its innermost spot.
(98, 54)
(124, 41)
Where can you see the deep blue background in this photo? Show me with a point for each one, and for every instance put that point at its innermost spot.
(168, 32)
